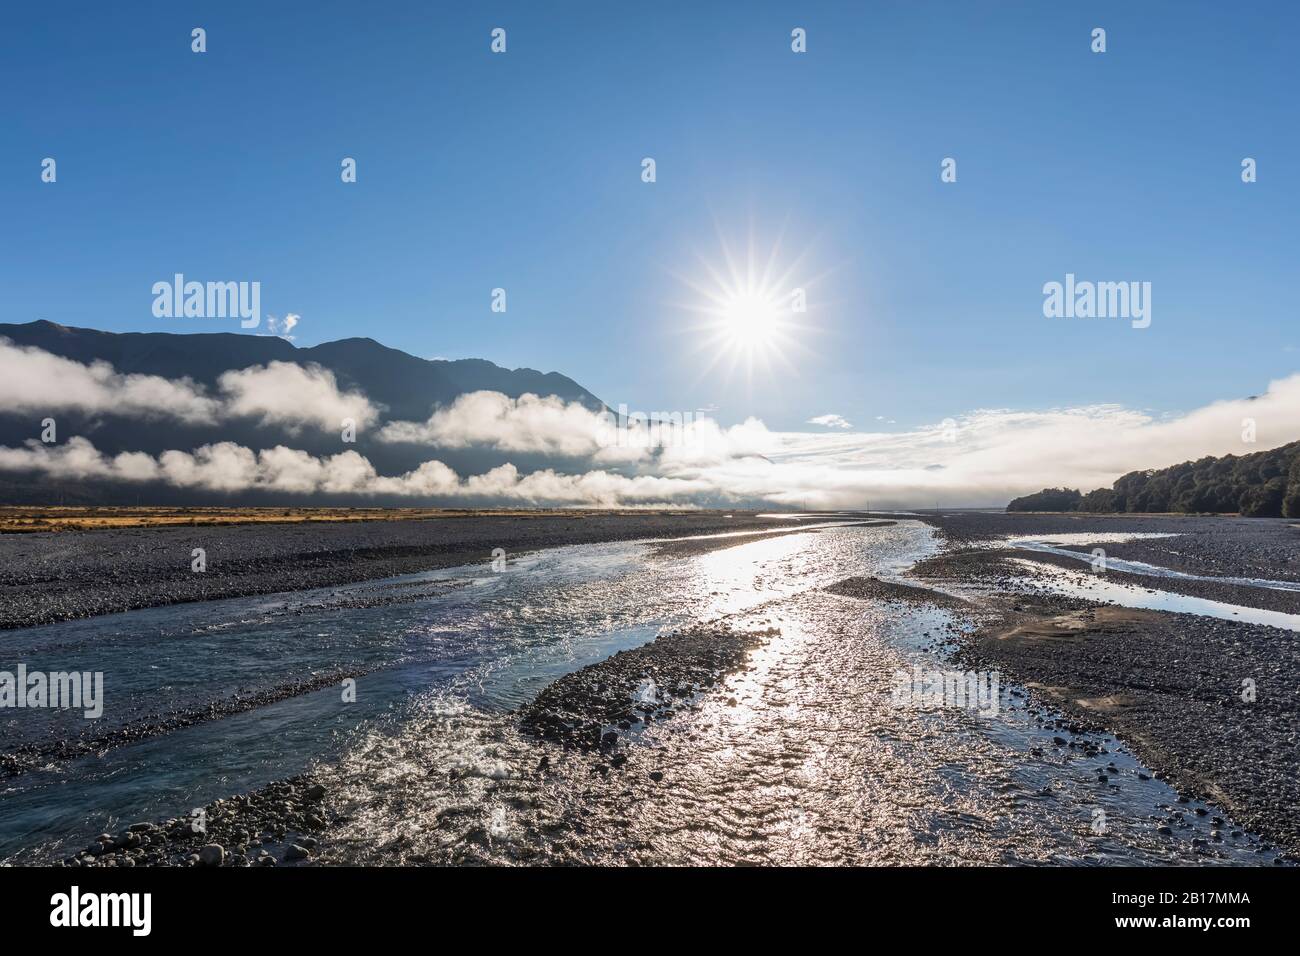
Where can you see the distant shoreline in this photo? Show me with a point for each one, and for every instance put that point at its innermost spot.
(19, 519)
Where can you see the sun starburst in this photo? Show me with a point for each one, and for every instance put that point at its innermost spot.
(754, 310)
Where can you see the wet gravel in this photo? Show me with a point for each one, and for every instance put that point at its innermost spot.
(869, 588)
(57, 576)
(274, 825)
(588, 708)
(1216, 546)
(483, 775)
(1211, 704)
(746, 725)
(794, 757)
(1270, 599)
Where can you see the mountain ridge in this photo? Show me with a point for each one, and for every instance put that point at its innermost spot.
(151, 353)
(404, 387)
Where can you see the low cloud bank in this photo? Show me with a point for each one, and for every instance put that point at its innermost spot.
(32, 379)
(983, 458)
(292, 396)
(228, 467)
(987, 457)
(529, 423)
(552, 426)
(280, 393)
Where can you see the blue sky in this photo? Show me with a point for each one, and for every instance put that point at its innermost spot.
(522, 171)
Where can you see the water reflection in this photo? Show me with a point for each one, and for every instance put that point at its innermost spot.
(1049, 546)
(800, 757)
(1094, 588)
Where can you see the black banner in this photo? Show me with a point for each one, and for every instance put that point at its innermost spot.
(332, 906)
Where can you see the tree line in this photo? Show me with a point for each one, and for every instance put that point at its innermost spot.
(1264, 484)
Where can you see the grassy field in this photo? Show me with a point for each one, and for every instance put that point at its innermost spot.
(18, 520)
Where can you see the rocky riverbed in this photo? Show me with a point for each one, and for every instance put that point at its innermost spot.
(1211, 704)
(764, 731)
(58, 576)
(277, 824)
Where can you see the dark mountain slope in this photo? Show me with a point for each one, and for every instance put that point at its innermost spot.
(410, 386)
(407, 387)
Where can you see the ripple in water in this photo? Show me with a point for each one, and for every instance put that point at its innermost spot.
(801, 757)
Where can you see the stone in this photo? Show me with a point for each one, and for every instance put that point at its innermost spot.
(214, 854)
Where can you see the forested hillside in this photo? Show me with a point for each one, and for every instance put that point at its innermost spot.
(1265, 484)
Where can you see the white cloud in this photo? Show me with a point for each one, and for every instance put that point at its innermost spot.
(229, 467)
(990, 457)
(34, 380)
(283, 327)
(78, 458)
(291, 395)
(554, 427)
(984, 458)
(995, 455)
(281, 393)
(527, 424)
(830, 421)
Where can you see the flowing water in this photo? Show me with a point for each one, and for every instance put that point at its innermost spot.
(801, 757)
(1053, 546)
(1094, 588)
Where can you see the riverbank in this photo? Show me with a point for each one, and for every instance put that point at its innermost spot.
(1209, 703)
(58, 576)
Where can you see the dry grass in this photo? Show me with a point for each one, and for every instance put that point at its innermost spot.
(28, 519)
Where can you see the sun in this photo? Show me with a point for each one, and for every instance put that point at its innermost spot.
(754, 312)
(751, 320)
